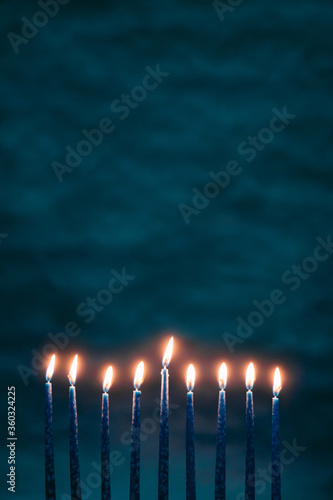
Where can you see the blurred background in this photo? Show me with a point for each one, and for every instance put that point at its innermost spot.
(121, 207)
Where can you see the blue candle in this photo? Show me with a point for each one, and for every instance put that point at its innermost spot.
(163, 461)
(276, 464)
(49, 450)
(250, 459)
(105, 437)
(190, 451)
(220, 441)
(73, 436)
(135, 440)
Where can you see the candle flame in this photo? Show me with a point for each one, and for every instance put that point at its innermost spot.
(72, 371)
(108, 379)
(50, 369)
(277, 386)
(138, 378)
(250, 377)
(168, 353)
(223, 376)
(190, 378)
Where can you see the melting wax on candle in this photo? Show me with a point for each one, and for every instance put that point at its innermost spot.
(163, 461)
(135, 439)
(250, 457)
(105, 437)
(49, 448)
(221, 432)
(73, 435)
(190, 451)
(276, 464)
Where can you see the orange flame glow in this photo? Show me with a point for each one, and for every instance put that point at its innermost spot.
(50, 369)
(138, 378)
(250, 377)
(223, 376)
(190, 380)
(277, 386)
(108, 379)
(72, 371)
(168, 353)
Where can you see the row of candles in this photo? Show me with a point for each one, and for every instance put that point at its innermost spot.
(163, 465)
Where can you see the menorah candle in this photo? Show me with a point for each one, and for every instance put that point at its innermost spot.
(190, 452)
(105, 437)
(250, 460)
(73, 435)
(220, 441)
(135, 440)
(163, 459)
(49, 450)
(276, 464)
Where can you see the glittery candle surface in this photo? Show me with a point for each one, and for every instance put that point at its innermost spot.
(105, 449)
(250, 461)
(190, 452)
(220, 448)
(163, 464)
(49, 449)
(276, 466)
(135, 448)
(74, 446)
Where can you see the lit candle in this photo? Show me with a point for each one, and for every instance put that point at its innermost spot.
(73, 435)
(49, 451)
(135, 440)
(276, 466)
(105, 438)
(220, 442)
(250, 462)
(163, 463)
(190, 452)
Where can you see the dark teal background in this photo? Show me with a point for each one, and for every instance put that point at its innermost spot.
(119, 208)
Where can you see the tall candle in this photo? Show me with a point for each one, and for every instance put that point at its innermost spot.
(163, 461)
(135, 440)
(73, 435)
(220, 441)
(105, 437)
(49, 450)
(276, 464)
(250, 459)
(190, 452)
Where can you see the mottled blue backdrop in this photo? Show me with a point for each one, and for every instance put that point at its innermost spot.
(180, 89)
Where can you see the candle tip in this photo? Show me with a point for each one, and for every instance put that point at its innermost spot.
(108, 379)
(190, 381)
(139, 373)
(72, 371)
(50, 369)
(168, 353)
(250, 377)
(223, 376)
(277, 385)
